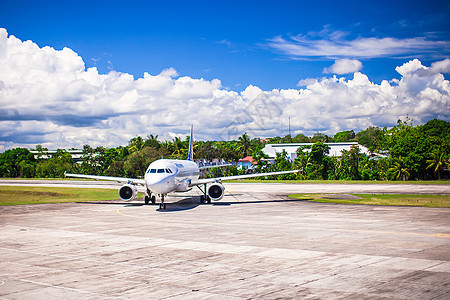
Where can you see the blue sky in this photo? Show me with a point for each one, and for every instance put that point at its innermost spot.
(225, 40)
(329, 65)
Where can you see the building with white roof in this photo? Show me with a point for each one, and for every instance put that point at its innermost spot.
(291, 149)
(77, 154)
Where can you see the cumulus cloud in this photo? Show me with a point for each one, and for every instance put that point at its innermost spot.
(48, 97)
(415, 68)
(306, 81)
(344, 66)
(335, 44)
(442, 66)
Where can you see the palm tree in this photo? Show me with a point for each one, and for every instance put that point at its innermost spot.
(167, 145)
(152, 141)
(261, 161)
(437, 162)
(179, 148)
(41, 151)
(244, 147)
(135, 144)
(301, 162)
(399, 170)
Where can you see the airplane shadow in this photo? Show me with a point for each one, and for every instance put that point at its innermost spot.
(260, 201)
(181, 205)
(188, 203)
(193, 202)
(119, 202)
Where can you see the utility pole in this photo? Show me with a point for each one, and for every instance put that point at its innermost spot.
(289, 126)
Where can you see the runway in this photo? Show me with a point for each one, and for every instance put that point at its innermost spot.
(255, 243)
(279, 188)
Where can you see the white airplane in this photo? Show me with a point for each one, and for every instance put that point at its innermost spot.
(165, 176)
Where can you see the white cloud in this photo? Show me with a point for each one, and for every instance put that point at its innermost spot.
(48, 97)
(442, 66)
(334, 44)
(411, 67)
(306, 81)
(415, 67)
(344, 66)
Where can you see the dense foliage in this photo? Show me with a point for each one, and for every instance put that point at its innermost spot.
(404, 152)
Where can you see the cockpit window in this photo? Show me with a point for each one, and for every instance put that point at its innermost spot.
(167, 170)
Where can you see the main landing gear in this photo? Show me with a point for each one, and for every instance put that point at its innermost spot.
(149, 197)
(204, 199)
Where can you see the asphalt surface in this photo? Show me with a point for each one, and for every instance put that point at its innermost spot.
(254, 244)
(278, 188)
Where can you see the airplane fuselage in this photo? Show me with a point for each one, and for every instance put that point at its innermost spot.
(170, 175)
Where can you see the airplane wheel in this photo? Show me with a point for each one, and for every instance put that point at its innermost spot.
(146, 200)
(153, 199)
(206, 200)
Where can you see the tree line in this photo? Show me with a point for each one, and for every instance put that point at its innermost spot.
(404, 152)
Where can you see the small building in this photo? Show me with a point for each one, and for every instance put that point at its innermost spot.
(291, 149)
(246, 163)
(209, 163)
(46, 154)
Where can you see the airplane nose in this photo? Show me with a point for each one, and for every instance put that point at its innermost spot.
(159, 185)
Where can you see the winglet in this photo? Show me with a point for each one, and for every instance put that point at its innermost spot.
(191, 144)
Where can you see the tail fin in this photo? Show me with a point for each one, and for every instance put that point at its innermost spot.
(191, 145)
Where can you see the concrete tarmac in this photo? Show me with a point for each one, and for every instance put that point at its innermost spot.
(254, 244)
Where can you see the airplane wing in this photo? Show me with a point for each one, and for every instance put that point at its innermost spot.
(110, 178)
(235, 177)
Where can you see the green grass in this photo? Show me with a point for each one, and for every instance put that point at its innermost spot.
(12, 195)
(431, 182)
(442, 201)
(37, 178)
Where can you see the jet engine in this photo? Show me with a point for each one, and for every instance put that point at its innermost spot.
(216, 191)
(128, 192)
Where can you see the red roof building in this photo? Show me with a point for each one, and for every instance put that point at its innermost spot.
(246, 163)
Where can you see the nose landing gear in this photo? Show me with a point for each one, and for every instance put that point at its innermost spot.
(162, 205)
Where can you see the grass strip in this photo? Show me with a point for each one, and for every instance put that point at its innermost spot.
(427, 182)
(19, 195)
(442, 201)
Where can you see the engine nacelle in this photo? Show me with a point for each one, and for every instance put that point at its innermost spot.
(128, 192)
(216, 191)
